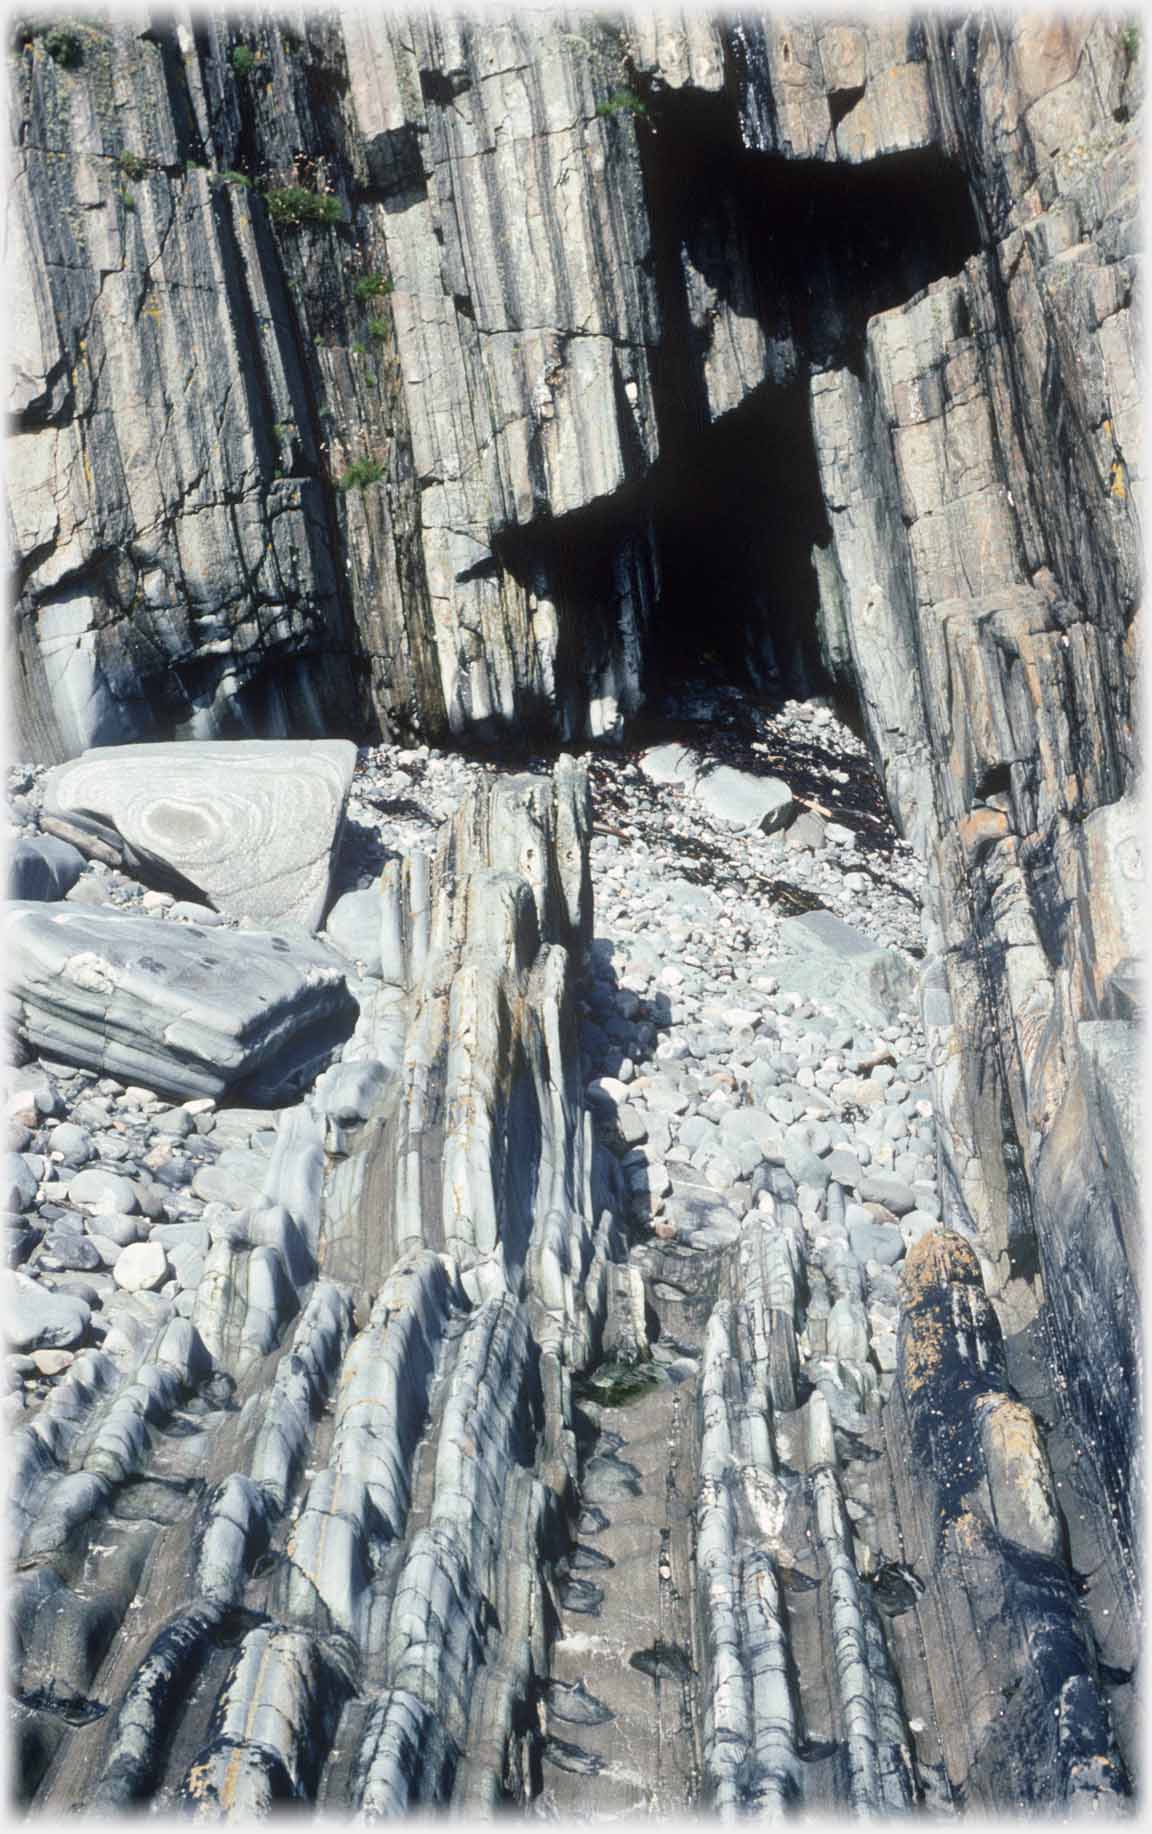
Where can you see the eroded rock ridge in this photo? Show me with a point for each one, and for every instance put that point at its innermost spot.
(682, 1354)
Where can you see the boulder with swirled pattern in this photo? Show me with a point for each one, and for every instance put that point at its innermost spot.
(250, 823)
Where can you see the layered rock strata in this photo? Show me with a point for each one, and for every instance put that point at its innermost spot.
(450, 1282)
(256, 1015)
(484, 1438)
(459, 376)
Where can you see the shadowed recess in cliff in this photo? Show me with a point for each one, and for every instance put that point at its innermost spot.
(821, 246)
(766, 270)
(736, 518)
(806, 253)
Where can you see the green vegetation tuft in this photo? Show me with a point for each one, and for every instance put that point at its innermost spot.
(1130, 40)
(377, 327)
(127, 199)
(242, 60)
(232, 178)
(622, 102)
(296, 205)
(132, 165)
(360, 473)
(373, 286)
(64, 45)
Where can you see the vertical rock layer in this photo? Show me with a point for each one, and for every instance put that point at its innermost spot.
(455, 375)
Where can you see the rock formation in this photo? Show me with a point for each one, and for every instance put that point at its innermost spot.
(250, 826)
(431, 378)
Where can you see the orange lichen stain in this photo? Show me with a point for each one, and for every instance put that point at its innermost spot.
(938, 1258)
(199, 1781)
(232, 1777)
(970, 1532)
(1118, 482)
(923, 1354)
(1012, 1423)
(981, 828)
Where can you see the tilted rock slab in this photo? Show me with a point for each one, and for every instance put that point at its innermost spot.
(251, 823)
(439, 1277)
(877, 983)
(183, 1010)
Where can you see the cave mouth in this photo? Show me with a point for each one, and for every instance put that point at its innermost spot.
(736, 515)
(707, 563)
(811, 250)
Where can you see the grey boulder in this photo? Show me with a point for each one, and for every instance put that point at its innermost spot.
(45, 868)
(141, 1267)
(38, 1319)
(671, 763)
(103, 1191)
(876, 1242)
(208, 1011)
(742, 800)
(349, 1092)
(353, 927)
(838, 962)
(893, 1193)
(20, 1183)
(807, 833)
(250, 823)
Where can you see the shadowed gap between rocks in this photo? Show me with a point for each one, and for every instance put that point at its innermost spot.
(726, 524)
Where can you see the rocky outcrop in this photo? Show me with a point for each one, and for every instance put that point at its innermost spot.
(982, 479)
(462, 1434)
(988, 1531)
(189, 398)
(442, 286)
(209, 1012)
(458, 1241)
(473, 378)
(251, 826)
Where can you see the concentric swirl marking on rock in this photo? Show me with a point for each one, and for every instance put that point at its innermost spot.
(252, 823)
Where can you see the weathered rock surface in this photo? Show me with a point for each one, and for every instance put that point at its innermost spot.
(987, 1531)
(206, 1011)
(593, 1457)
(805, 349)
(833, 957)
(38, 1320)
(251, 824)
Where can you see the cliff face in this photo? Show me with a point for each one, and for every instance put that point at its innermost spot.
(565, 252)
(809, 345)
(584, 277)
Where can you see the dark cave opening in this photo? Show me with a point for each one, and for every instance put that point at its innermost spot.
(719, 536)
(735, 518)
(825, 244)
(811, 250)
